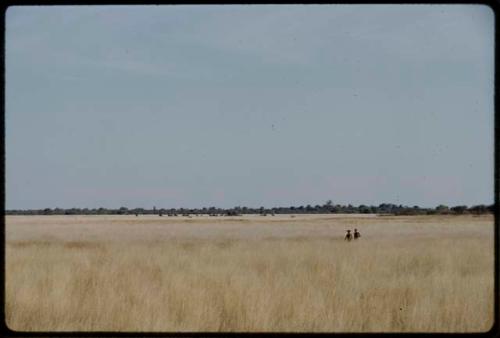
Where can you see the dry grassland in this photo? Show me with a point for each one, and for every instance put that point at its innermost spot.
(150, 273)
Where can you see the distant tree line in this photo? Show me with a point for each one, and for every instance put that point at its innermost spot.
(326, 208)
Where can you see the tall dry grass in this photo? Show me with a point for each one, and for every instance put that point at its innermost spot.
(414, 281)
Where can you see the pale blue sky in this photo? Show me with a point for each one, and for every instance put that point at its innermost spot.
(256, 105)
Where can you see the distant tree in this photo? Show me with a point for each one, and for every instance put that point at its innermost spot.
(122, 211)
(459, 209)
(72, 211)
(442, 209)
(364, 209)
(479, 209)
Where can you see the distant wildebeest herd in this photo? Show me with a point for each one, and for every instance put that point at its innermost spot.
(229, 213)
(348, 237)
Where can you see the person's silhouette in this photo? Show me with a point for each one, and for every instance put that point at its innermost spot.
(348, 236)
(356, 234)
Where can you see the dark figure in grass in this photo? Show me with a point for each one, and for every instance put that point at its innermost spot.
(356, 234)
(348, 236)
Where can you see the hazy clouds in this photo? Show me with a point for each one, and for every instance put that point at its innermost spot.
(248, 105)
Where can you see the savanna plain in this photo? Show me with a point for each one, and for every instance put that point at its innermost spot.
(250, 273)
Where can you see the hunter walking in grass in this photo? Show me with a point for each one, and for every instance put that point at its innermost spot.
(356, 234)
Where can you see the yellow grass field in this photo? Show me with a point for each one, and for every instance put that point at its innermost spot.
(250, 273)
